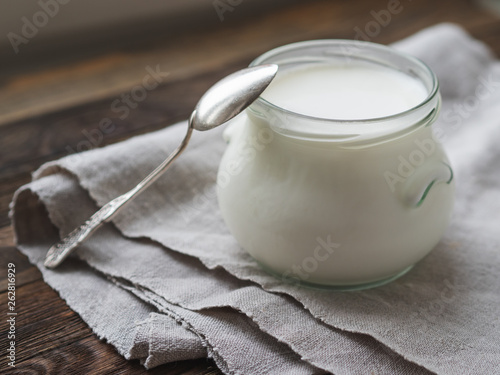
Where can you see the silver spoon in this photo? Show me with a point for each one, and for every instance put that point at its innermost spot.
(223, 101)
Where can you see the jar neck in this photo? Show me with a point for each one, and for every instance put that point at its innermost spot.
(349, 132)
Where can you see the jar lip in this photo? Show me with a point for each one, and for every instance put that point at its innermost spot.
(433, 92)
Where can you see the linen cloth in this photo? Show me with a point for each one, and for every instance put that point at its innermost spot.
(166, 281)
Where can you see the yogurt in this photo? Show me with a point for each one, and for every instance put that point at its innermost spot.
(345, 92)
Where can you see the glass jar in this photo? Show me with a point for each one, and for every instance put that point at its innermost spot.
(342, 204)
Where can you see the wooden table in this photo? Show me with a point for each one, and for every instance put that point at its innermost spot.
(46, 112)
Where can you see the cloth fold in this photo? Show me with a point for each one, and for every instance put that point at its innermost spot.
(166, 281)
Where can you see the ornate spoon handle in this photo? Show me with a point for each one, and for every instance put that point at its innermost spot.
(58, 252)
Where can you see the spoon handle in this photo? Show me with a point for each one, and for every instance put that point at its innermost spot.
(58, 252)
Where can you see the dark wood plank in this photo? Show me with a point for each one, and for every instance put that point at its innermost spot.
(71, 69)
(25, 271)
(6, 236)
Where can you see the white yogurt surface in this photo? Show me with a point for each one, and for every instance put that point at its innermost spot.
(345, 92)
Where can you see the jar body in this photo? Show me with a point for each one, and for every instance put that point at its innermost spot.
(341, 204)
(322, 214)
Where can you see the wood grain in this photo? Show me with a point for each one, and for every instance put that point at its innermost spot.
(6, 236)
(46, 114)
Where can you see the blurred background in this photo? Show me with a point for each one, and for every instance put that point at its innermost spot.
(51, 25)
(58, 53)
(38, 35)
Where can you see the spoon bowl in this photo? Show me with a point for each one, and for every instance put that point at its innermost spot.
(231, 95)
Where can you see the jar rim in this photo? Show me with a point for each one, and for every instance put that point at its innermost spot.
(327, 49)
